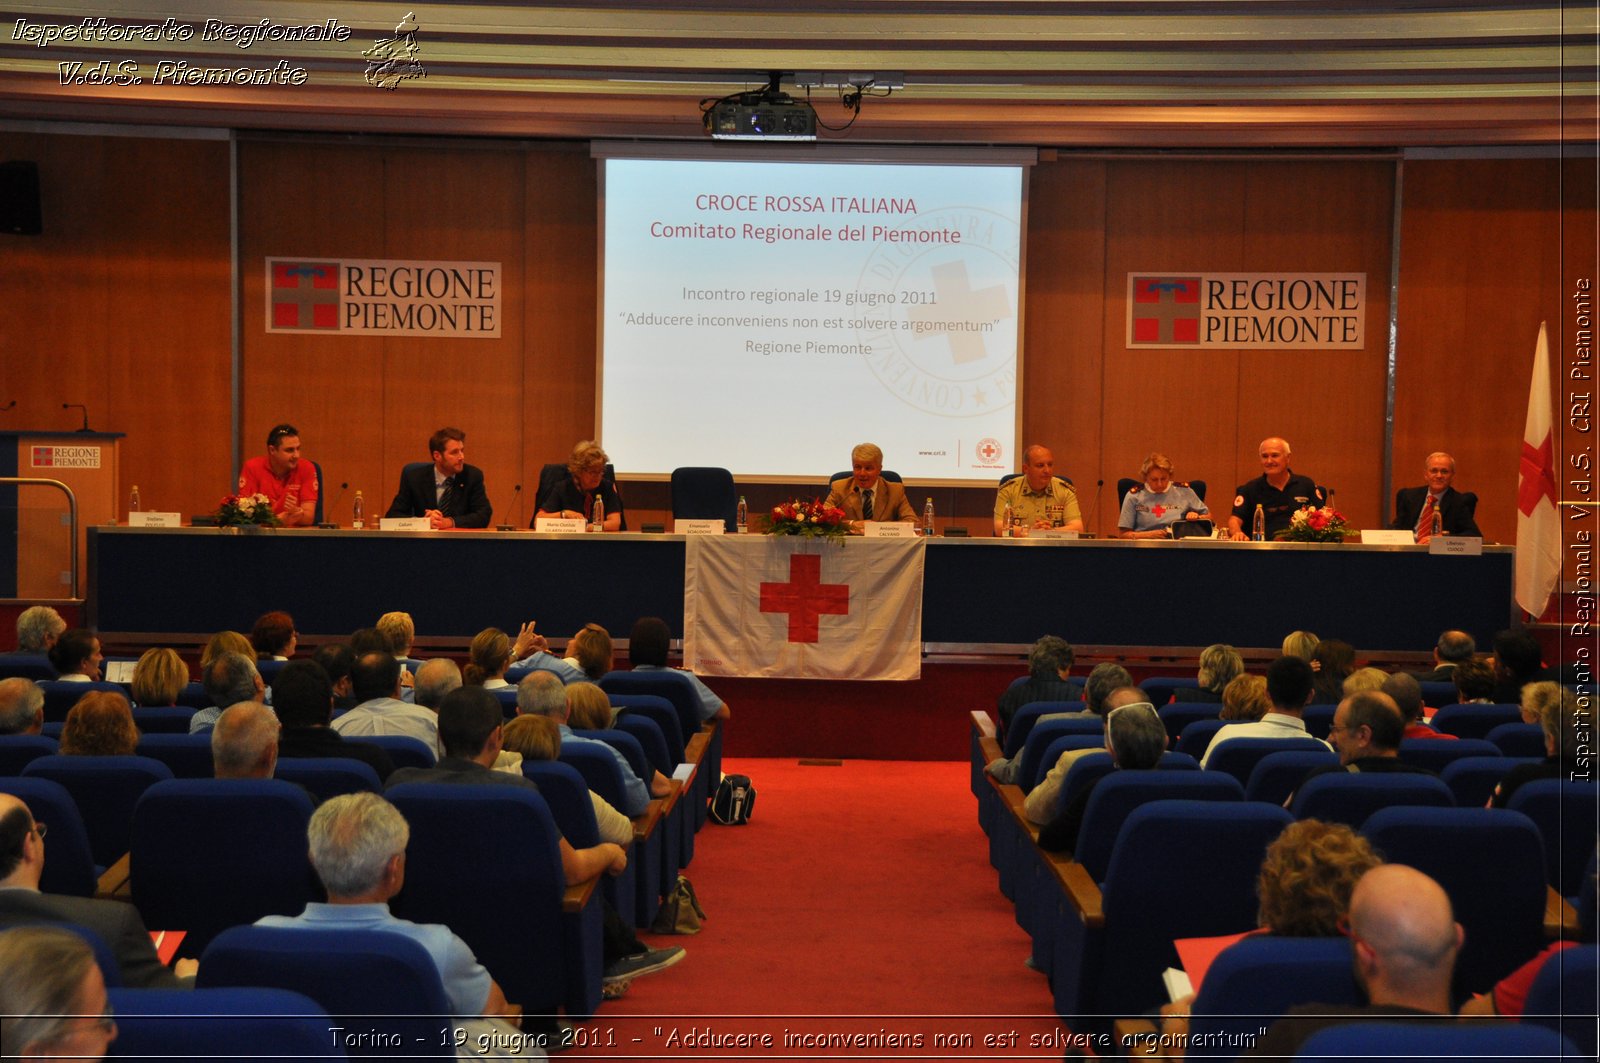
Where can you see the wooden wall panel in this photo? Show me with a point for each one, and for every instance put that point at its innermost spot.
(122, 304)
(1479, 269)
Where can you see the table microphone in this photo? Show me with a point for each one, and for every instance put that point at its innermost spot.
(517, 494)
(1098, 484)
(327, 509)
(85, 409)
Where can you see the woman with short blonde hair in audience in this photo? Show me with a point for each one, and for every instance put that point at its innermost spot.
(225, 642)
(590, 651)
(1299, 644)
(1537, 698)
(490, 657)
(159, 678)
(1244, 699)
(100, 725)
(1364, 679)
(538, 737)
(1219, 664)
(588, 708)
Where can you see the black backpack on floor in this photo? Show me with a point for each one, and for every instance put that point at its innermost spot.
(734, 800)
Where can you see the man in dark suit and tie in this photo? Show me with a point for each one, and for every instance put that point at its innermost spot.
(865, 495)
(1414, 507)
(450, 492)
(118, 924)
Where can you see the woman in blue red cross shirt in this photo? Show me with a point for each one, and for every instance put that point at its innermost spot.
(1150, 511)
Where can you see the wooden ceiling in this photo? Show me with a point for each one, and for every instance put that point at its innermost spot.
(1206, 74)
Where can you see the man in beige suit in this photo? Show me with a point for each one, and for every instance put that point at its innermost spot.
(864, 495)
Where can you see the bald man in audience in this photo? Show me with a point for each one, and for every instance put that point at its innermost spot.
(1450, 651)
(21, 707)
(436, 678)
(1407, 696)
(244, 743)
(231, 678)
(1404, 939)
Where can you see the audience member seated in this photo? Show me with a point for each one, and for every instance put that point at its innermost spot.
(274, 637)
(1300, 644)
(1244, 699)
(1404, 938)
(1049, 664)
(436, 678)
(1474, 682)
(1220, 664)
(1363, 680)
(244, 742)
(532, 651)
(303, 699)
(1366, 734)
(541, 694)
(76, 656)
(52, 996)
(100, 725)
(539, 738)
(472, 734)
(375, 679)
(1103, 679)
(1518, 661)
(21, 707)
(1304, 888)
(159, 678)
(1452, 648)
(22, 857)
(1288, 691)
(588, 708)
(38, 627)
(590, 651)
(1406, 693)
(1040, 805)
(1538, 697)
(358, 848)
(647, 652)
(224, 642)
(1136, 738)
(1567, 736)
(1332, 660)
(229, 679)
(369, 640)
(488, 660)
(336, 660)
(401, 631)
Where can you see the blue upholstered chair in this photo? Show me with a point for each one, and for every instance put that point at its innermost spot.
(704, 493)
(1474, 721)
(1197, 736)
(1041, 736)
(659, 711)
(1027, 715)
(105, 790)
(1567, 813)
(1181, 714)
(1254, 981)
(1278, 775)
(1445, 1039)
(1161, 689)
(1518, 739)
(59, 697)
(1120, 794)
(208, 854)
(16, 751)
(1239, 756)
(1349, 798)
(1563, 996)
(544, 958)
(563, 789)
(368, 980)
(188, 755)
(1319, 720)
(404, 751)
(602, 775)
(35, 666)
(1434, 754)
(169, 1025)
(1438, 694)
(1472, 779)
(329, 777)
(71, 868)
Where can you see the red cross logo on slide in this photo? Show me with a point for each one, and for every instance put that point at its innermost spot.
(805, 597)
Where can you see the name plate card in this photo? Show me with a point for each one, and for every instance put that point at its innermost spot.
(1456, 545)
(888, 529)
(404, 524)
(1387, 537)
(1054, 533)
(155, 520)
(566, 525)
(696, 526)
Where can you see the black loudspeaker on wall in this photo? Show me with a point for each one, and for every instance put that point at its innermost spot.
(19, 198)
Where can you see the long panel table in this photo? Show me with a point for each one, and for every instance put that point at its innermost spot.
(977, 593)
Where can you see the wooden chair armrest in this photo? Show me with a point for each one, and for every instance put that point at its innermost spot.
(1082, 890)
(983, 723)
(989, 749)
(695, 749)
(576, 896)
(644, 824)
(1560, 918)
(1128, 1034)
(116, 884)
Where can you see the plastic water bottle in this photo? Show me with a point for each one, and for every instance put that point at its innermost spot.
(927, 516)
(1438, 522)
(597, 520)
(133, 501)
(1258, 526)
(1005, 522)
(741, 518)
(358, 513)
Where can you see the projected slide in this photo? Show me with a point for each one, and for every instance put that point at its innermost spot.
(766, 317)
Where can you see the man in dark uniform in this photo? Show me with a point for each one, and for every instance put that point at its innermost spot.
(1279, 491)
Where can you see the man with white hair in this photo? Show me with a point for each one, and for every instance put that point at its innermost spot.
(542, 694)
(437, 677)
(21, 707)
(1279, 491)
(38, 627)
(244, 743)
(1414, 507)
(230, 679)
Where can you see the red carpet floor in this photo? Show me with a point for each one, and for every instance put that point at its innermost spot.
(857, 906)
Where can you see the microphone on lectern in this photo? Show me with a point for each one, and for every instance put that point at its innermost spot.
(85, 409)
(328, 508)
(516, 493)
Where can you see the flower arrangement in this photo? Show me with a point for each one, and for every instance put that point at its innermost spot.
(238, 510)
(1325, 525)
(814, 519)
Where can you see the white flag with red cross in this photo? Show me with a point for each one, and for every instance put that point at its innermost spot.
(798, 608)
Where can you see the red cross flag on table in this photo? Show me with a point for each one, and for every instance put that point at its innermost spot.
(799, 608)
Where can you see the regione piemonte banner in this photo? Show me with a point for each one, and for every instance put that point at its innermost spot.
(797, 608)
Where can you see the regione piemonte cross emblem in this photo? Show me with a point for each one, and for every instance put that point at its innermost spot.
(805, 597)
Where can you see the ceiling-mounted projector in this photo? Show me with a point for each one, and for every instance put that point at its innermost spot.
(760, 116)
